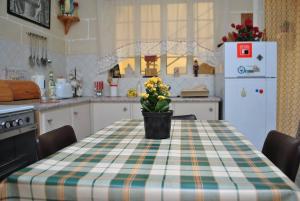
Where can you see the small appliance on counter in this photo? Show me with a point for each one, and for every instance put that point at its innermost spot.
(63, 89)
(198, 91)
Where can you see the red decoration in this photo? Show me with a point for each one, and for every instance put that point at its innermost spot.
(243, 33)
(249, 22)
(244, 50)
(150, 58)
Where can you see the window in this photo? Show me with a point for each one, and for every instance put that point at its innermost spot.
(177, 30)
(152, 22)
(125, 36)
(176, 63)
(124, 62)
(177, 21)
(144, 64)
(203, 25)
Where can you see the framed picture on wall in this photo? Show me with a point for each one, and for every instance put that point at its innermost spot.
(35, 11)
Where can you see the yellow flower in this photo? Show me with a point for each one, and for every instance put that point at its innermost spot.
(161, 97)
(159, 81)
(168, 94)
(164, 87)
(153, 80)
(144, 95)
(149, 86)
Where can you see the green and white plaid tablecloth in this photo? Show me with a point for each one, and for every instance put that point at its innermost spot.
(202, 160)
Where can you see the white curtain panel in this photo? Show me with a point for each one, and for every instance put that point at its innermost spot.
(130, 28)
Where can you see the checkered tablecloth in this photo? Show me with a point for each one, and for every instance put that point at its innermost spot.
(202, 160)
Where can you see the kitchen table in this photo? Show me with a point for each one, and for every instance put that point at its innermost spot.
(202, 160)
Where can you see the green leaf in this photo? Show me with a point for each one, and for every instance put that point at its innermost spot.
(145, 107)
(162, 106)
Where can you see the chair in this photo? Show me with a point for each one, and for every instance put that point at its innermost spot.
(185, 117)
(284, 152)
(55, 140)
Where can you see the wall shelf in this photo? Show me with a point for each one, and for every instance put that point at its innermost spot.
(68, 21)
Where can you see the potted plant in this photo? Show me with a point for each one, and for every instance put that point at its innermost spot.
(155, 109)
(243, 32)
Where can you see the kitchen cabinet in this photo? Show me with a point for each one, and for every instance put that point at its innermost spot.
(202, 110)
(136, 111)
(81, 120)
(104, 114)
(88, 118)
(78, 116)
(53, 119)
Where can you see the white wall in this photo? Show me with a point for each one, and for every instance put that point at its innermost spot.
(14, 43)
(79, 49)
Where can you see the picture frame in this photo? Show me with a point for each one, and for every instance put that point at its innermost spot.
(35, 11)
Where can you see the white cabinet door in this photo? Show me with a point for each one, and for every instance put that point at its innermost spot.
(81, 121)
(136, 111)
(203, 111)
(104, 114)
(53, 119)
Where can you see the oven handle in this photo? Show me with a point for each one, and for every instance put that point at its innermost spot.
(18, 131)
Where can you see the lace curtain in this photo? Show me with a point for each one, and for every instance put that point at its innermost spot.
(283, 25)
(131, 28)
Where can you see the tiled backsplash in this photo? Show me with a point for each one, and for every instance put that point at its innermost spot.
(14, 62)
(87, 69)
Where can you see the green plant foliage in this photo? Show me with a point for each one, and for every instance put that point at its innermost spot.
(157, 96)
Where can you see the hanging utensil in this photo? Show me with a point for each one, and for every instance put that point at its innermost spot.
(42, 52)
(31, 62)
(46, 57)
(38, 61)
(43, 59)
(34, 49)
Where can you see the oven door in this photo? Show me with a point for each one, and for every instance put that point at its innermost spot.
(18, 150)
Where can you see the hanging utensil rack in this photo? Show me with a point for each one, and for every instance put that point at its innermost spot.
(36, 35)
(42, 40)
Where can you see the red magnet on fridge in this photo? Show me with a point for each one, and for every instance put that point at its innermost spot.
(244, 50)
(261, 91)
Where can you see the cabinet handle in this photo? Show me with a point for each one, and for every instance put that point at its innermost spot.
(49, 121)
(125, 109)
(210, 109)
(75, 113)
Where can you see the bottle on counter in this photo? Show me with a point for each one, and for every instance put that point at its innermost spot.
(51, 86)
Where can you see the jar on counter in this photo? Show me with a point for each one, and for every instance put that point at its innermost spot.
(113, 90)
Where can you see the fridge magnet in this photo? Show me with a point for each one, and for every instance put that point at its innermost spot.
(243, 93)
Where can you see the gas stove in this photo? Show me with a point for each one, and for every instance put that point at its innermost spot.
(4, 109)
(17, 138)
(15, 117)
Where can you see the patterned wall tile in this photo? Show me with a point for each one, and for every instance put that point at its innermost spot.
(14, 56)
(87, 69)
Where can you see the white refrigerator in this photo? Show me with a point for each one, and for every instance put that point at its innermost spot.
(250, 77)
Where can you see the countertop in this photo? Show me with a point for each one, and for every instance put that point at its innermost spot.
(105, 99)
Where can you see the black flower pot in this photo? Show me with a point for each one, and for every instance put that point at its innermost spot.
(157, 124)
